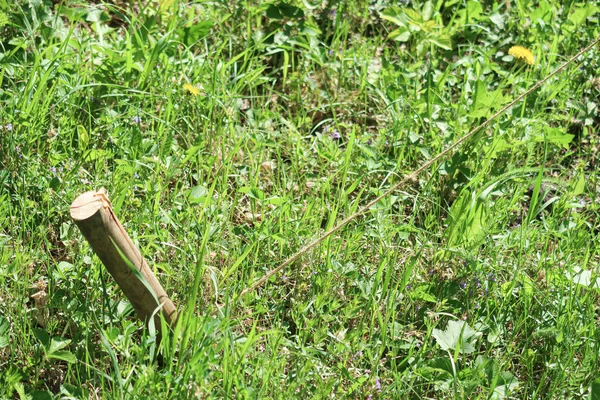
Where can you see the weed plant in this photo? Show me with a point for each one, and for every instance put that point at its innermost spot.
(230, 134)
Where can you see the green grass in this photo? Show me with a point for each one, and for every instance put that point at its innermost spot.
(479, 281)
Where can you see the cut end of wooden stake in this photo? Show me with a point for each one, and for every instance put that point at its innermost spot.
(88, 204)
(85, 206)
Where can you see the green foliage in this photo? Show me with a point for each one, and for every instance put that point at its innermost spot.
(424, 25)
(455, 337)
(53, 347)
(231, 134)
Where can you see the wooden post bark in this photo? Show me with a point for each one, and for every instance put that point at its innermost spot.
(93, 214)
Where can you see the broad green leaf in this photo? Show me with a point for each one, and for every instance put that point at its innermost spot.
(427, 11)
(442, 41)
(543, 12)
(580, 186)
(290, 11)
(58, 343)
(276, 200)
(96, 15)
(456, 335)
(18, 387)
(97, 154)
(196, 32)
(528, 286)
(499, 145)
(83, 137)
(191, 153)
(506, 384)
(471, 13)
(485, 102)
(256, 193)
(165, 4)
(64, 356)
(440, 364)
(474, 11)
(584, 277)
(198, 192)
(533, 203)
(4, 20)
(281, 10)
(395, 15)
(429, 26)
(498, 20)
(42, 336)
(595, 390)
(41, 395)
(421, 293)
(4, 327)
(401, 34)
(469, 219)
(582, 12)
(413, 16)
(559, 137)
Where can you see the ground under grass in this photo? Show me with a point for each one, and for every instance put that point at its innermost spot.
(231, 134)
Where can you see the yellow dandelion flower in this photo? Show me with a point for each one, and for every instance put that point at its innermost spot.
(193, 90)
(523, 54)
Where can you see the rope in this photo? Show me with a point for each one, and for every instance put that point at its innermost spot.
(412, 176)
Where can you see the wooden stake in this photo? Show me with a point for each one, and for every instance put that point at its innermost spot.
(93, 214)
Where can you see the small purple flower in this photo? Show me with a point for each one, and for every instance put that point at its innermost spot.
(136, 176)
(431, 271)
(409, 286)
(53, 170)
(137, 120)
(8, 127)
(491, 277)
(418, 308)
(377, 384)
(335, 135)
(284, 278)
(463, 285)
